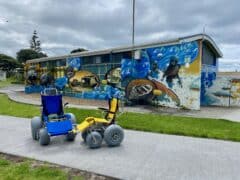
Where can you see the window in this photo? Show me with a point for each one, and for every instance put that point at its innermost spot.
(208, 57)
(117, 58)
(105, 58)
(61, 62)
(88, 60)
(98, 59)
(127, 55)
(52, 63)
(43, 64)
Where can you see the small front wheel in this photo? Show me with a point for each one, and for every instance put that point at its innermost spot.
(70, 136)
(94, 140)
(84, 135)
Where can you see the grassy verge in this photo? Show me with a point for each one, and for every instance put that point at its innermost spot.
(8, 82)
(16, 167)
(20, 168)
(5, 83)
(167, 124)
(8, 107)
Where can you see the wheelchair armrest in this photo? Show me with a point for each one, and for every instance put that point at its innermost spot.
(103, 109)
(65, 104)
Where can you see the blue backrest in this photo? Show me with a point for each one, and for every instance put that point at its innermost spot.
(52, 104)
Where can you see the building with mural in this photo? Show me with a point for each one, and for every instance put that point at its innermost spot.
(183, 71)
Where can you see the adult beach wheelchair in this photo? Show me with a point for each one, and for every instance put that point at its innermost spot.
(53, 121)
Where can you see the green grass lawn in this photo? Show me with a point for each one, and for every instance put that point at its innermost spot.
(5, 83)
(28, 169)
(8, 82)
(167, 124)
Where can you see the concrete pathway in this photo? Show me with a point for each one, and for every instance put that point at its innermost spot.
(232, 113)
(141, 155)
(12, 92)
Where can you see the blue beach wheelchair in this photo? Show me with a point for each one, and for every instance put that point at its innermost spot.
(53, 121)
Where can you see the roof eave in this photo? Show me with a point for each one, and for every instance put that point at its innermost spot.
(202, 37)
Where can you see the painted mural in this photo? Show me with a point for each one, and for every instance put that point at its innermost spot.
(235, 92)
(172, 70)
(162, 76)
(220, 91)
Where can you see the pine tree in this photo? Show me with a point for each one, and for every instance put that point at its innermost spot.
(35, 43)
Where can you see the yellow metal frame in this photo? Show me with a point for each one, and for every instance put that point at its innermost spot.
(90, 121)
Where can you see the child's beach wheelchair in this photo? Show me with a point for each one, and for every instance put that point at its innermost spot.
(53, 121)
(94, 130)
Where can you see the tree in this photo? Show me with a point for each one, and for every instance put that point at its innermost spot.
(8, 63)
(26, 54)
(78, 50)
(35, 43)
(34, 52)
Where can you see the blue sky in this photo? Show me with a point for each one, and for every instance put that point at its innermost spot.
(97, 24)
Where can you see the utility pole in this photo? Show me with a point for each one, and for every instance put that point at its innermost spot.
(133, 26)
(204, 29)
(133, 22)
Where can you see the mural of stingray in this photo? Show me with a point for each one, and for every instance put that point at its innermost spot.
(221, 91)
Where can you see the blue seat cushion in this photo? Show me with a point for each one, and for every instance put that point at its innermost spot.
(59, 127)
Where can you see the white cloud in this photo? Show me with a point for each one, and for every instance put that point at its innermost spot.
(64, 25)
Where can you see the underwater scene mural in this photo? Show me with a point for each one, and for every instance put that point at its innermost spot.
(161, 76)
(218, 91)
(74, 62)
(172, 70)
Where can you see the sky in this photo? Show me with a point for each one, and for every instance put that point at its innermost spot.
(64, 25)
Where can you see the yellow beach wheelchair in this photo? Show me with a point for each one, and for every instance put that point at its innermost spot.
(94, 130)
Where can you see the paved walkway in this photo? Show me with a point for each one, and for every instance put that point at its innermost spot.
(141, 155)
(232, 114)
(12, 92)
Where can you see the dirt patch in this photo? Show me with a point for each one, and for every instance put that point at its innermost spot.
(71, 172)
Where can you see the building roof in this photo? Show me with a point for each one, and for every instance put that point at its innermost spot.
(205, 38)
